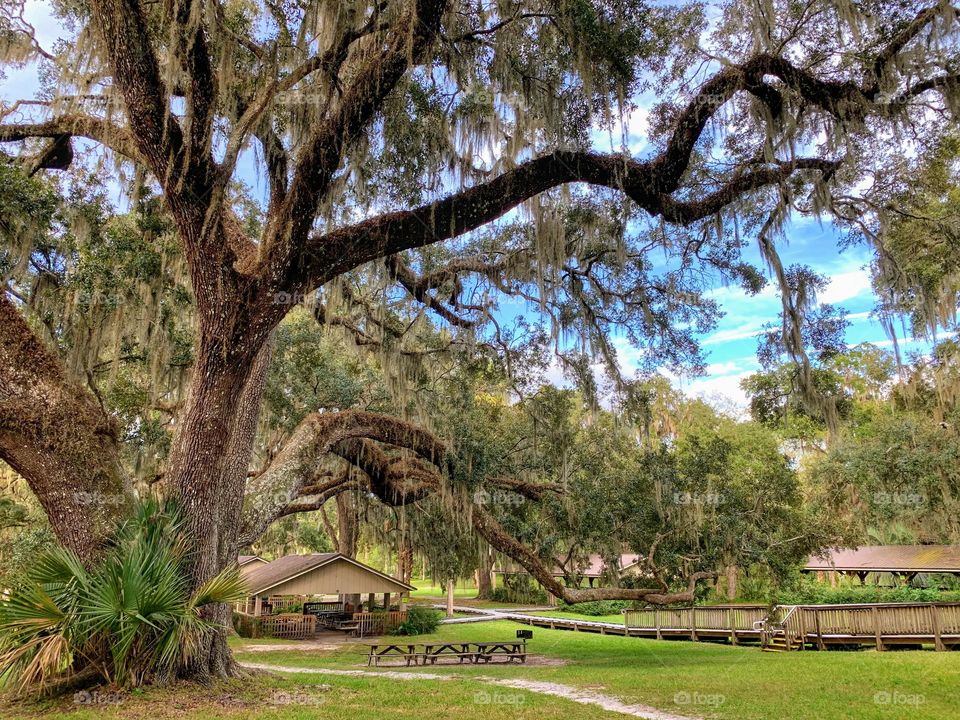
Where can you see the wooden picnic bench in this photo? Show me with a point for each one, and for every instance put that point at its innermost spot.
(511, 650)
(407, 652)
(430, 653)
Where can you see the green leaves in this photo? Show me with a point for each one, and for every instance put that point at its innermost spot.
(132, 617)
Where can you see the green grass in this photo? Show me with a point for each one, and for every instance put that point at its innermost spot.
(435, 591)
(617, 619)
(314, 697)
(692, 679)
(712, 681)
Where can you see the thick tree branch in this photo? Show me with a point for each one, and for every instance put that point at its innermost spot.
(886, 56)
(494, 533)
(124, 32)
(101, 131)
(378, 73)
(309, 444)
(345, 249)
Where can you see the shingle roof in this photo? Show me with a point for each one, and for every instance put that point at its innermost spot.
(595, 565)
(290, 566)
(890, 558)
(244, 559)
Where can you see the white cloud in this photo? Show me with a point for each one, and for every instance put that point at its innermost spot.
(740, 332)
(723, 392)
(638, 125)
(846, 286)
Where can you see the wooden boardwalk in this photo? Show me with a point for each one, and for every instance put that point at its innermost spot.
(880, 625)
(786, 627)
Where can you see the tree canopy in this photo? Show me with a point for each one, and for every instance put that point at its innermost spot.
(404, 170)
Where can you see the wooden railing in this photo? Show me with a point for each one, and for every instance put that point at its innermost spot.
(797, 626)
(378, 623)
(727, 620)
(877, 624)
(282, 602)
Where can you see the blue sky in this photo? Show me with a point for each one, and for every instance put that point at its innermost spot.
(731, 347)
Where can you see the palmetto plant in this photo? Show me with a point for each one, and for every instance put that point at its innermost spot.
(128, 620)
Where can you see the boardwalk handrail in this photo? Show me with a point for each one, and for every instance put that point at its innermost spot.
(880, 623)
(877, 624)
(727, 618)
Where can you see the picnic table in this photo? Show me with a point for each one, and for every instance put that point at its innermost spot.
(430, 653)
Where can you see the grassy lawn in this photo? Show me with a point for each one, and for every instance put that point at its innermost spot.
(617, 618)
(312, 697)
(692, 679)
(435, 591)
(712, 681)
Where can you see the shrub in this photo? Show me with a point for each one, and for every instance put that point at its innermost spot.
(130, 619)
(810, 592)
(420, 621)
(519, 589)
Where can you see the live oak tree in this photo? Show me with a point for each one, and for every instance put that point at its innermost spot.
(448, 150)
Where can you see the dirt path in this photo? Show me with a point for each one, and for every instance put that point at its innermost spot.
(568, 692)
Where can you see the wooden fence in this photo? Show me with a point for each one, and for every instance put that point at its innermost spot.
(292, 626)
(878, 624)
(377, 623)
(735, 622)
(284, 602)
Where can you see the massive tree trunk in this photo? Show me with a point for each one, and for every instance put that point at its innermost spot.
(222, 430)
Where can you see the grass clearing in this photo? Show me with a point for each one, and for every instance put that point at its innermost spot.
(312, 697)
(711, 681)
(690, 679)
(436, 591)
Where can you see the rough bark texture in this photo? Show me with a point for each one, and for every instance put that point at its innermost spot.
(485, 575)
(732, 572)
(348, 525)
(223, 524)
(56, 435)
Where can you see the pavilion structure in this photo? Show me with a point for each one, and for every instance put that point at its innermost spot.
(322, 579)
(904, 563)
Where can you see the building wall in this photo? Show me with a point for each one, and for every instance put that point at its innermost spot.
(336, 578)
(251, 566)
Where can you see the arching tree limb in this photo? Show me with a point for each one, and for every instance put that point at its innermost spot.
(494, 533)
